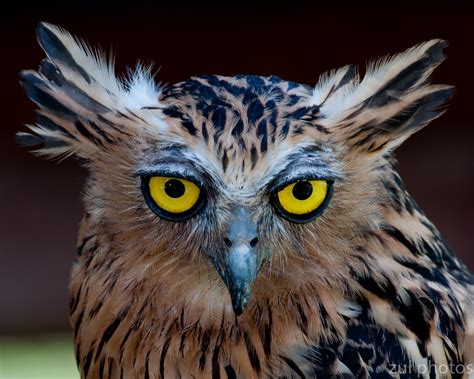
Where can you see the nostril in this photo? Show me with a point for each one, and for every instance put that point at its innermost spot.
(254, 242)
(228, 242)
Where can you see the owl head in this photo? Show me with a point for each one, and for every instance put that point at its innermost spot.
(245, 184)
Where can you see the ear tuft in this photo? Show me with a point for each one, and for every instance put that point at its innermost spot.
(393, 100)
(84, 107)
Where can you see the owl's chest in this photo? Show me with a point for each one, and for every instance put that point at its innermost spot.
(132, 341)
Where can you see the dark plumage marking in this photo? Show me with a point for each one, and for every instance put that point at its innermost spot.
(199, 90)
(253, 156)
(211, 79)
(118, 128)
(189, 126)
(31, 140)
(293, 366)
(205, 340)
(164, 351)
(396, 195)
(219, 118)
(215, 364)
(254, 111)
(263, 135)
(204, 133)
(52, 73)
(354, 358)
(303, 321)
(374, 147)
(123, 115)
(75, 301)
(256, 83)
(186, 122)
(234, 90)
(151, 108)
(323, 358)
(78, 323)
(445, 324)
(320, 128)
(34, 90)
(147, 365)
(217, 142)
(292, 100)
(396, 122)
(382, 288)
(348, 77)
(285, 129)
(55, 49)
(77, 354)
(87, 362)
(307, 114)
(111, 362)
(267, 333)
(49, 124)
(136, 116)
(108, 333)
(298, 130)
(410, 117)
(400, 237)
(224, 160)
(173, 111)
(410, 205)
(86, 133)
(362, 332)
(273, 124)
(408, 76)
(93, 312)
(181, 342)
(262, 129)
(252, 353)
(229, 370)
(270, 105)
(416, 315)
(274, 79)
(238, 128)
(292, 85)
(101, 368)
(101, 132)
(125, 338)
(431, 274)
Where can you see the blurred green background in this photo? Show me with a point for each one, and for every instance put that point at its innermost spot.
(48, 356)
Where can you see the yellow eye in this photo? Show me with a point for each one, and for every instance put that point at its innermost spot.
(172, 198)
(303, 200)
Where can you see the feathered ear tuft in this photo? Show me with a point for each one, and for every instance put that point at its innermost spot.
(83, 106)
(393, 100)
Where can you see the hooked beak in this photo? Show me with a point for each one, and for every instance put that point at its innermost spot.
(240, 263)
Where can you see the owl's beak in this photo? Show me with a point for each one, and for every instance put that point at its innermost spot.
(239, 265)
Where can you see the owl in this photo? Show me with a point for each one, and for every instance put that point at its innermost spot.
(252, 227)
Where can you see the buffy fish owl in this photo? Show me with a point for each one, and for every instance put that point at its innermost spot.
(252, 227)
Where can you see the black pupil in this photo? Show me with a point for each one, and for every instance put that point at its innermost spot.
(174, 188)
(302, 190)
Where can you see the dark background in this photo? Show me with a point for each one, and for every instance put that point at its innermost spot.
(40, 201)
